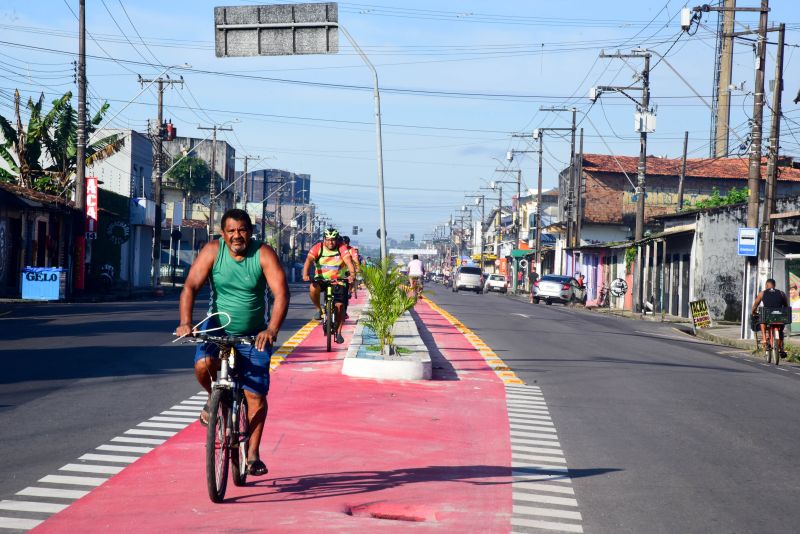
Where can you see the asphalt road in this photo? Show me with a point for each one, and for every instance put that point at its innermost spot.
(75, 375)
(661, 432)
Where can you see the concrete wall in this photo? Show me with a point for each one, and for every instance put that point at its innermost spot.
(128, 172)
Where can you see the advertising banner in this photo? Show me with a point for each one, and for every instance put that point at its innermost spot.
(793, 272)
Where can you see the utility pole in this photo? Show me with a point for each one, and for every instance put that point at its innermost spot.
(79, 267)
(683, 171)
(754, 174)
(570, 201)
(212, 185)
(245, 158)
(723, 92)
(158, 159)
(644, 124)
(579, 194)
(765, 251)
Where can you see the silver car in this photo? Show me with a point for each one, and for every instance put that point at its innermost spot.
(556, 288)
(469, 278)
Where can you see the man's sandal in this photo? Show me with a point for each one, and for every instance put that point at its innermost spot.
(204, 411)
(256, 468)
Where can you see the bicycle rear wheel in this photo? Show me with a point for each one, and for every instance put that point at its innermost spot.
(776, 353)
(239, 450)
(217, 444)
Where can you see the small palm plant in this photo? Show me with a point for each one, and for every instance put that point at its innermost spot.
(389, 299)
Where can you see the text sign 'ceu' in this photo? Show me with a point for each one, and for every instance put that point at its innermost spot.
(276, 30)
(747, 244)
(91, 203)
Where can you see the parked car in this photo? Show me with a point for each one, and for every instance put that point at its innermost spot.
(556, 288)
(469, 278)
(496, 282)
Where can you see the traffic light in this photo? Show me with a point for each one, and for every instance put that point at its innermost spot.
(411, 238)
(355, 230)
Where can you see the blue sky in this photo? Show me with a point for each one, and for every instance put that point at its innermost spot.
(437, 147)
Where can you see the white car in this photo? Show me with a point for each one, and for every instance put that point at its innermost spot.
(556, 288)
(469, 278)
(496, 282)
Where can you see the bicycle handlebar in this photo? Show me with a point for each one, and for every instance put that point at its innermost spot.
(220, 340)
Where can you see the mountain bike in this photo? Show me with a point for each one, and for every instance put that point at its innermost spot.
(228, 426)
(329, 313)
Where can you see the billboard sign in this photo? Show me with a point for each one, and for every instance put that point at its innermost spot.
(276, 30)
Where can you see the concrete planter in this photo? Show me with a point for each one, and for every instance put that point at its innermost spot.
(364, 363)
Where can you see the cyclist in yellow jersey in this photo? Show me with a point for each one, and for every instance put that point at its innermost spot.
(331, 261)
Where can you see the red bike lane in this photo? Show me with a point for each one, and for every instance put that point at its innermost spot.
(345, 455)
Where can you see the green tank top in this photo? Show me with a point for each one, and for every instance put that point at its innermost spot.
(238, 288)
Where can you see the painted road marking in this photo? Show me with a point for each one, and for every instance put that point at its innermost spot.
(539, 468)
(72, 481)
(124, 448)
(96, 469)
(19, 523)
(31, 506)
(139, 441)
(108, 458)
(149, 441)
(547, 512)
(52, 492)
(544, 525)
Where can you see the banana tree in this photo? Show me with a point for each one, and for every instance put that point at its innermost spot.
(53, 134)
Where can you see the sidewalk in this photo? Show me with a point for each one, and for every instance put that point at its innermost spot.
(345, 455)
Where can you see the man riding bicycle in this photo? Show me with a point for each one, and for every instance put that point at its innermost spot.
(353, 253)
(772, 299)
(239, 270)
(331, 261)
(416, 270)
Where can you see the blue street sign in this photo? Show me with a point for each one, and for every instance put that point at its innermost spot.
(747, 243)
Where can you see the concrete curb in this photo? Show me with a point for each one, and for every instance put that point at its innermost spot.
(413, 366)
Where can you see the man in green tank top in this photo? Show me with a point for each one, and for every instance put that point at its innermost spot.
(239, 270)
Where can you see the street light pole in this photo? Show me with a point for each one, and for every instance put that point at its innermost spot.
(378, 140)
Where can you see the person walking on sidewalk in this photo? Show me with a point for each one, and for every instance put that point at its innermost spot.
(331, 260)
(533, 277)
(771, 298)
(239, 270)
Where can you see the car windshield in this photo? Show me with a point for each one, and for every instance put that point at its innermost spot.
(497, 277)
(470, 270)
(555, 278)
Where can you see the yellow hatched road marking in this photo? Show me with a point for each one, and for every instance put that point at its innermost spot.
(280, 354)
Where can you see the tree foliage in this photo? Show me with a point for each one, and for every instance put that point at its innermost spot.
(43, 154)
(190, 174)
(715, 200)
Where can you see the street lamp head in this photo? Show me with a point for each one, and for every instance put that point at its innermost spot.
(493, 185)
(594, 92)
(536, 133)
(477, 201)
(510, 155)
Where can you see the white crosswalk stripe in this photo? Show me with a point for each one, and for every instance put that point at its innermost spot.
(31, 506)
(544, 499)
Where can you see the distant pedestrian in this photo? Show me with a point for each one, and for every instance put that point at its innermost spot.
(533, 277)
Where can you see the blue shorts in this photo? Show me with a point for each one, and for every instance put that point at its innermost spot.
(254, 371)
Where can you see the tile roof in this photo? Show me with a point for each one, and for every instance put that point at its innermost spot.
(37, 196)
(733, 168)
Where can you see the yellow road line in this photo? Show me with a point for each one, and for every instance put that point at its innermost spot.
(496, 363)
(280, 354)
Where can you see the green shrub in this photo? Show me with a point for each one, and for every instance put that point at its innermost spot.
(388, 300)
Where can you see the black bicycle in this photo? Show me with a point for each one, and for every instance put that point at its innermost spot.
(329, 313)
(228, 428)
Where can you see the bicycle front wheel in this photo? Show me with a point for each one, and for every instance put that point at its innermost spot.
(217, 444)
(329, 325)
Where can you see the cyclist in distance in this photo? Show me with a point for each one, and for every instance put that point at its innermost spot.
(239, 270)
(354, 258)
(773, 298)
(416, 270)
(331, 261)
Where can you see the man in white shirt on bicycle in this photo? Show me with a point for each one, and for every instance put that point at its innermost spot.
(416, 270)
